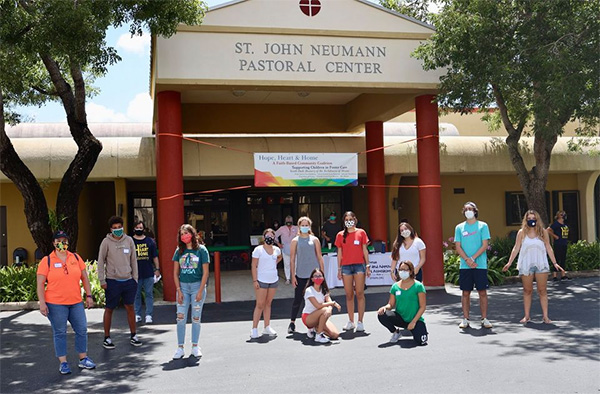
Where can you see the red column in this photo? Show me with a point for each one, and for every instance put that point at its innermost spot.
(378, 220)
(430, 198)
(169, 182)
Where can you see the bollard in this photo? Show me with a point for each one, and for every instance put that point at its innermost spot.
(218, 277)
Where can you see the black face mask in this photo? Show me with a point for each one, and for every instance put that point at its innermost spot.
(288, 223)
(269, 240)
(138, 232)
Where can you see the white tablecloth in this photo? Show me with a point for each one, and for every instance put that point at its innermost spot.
(380, 270)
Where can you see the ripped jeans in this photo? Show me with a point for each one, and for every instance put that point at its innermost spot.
(189, 291)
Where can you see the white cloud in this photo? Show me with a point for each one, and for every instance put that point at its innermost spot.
(99, 113)
(140, 108)
(136, 44)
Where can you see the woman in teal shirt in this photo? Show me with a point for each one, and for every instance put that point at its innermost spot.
(406, 306)
(190, 266)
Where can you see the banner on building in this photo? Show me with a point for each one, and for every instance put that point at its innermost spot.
(305, 169)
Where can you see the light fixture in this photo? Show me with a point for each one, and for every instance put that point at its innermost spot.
(238, 93)
(303, 94)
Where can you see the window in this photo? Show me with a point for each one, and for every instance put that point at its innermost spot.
(516, 206)
(144, 210)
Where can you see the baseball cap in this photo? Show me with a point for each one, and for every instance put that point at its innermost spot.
(60, 234)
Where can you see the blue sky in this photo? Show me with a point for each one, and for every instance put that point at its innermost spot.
(124, 91)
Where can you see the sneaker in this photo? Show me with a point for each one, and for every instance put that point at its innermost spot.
(395, 336)
(360, 327)
(269, 331)
(349, 326)
(86, 363)
(64, 368)
(179, 354)
(108, 343)
(566, 278)
(148, 319)
(196, 352)
(555, 279)
(135, 341)
(138, 318)
(311, 333)
(320, 338)
(254, 333)
(486, 323)
(464, 323)
(291, 328)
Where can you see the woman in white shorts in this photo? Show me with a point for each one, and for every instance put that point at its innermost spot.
(265, 279)
(532, 245)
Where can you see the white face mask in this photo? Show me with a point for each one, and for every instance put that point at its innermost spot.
(469, 214)
(405, 233)
(403, 274)
(349, 223)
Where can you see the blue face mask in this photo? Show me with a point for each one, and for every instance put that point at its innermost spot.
(304, 229)
(531, 222)
(117, 232)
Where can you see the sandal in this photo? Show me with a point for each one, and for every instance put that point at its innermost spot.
(546, 320)
(524, 320)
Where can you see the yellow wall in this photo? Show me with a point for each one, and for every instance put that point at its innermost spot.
(97, 198)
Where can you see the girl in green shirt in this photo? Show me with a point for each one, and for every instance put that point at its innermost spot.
(406, 306)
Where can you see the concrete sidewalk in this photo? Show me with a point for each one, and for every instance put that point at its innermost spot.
(559, 358)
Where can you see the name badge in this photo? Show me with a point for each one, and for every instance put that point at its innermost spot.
(356, 242)
(126, 251)
(57, 265)
(398, 292)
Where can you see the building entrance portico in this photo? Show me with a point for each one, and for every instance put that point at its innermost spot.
(274, 69)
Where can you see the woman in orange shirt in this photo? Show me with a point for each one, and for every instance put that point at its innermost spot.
(353, 265)
(59, 292)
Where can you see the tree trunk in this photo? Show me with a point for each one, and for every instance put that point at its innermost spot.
(36, 208)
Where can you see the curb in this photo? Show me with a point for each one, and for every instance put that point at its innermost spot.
(33, 305)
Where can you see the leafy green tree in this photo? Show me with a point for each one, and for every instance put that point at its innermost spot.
(417, 9)
(536, 61)
(51, 50)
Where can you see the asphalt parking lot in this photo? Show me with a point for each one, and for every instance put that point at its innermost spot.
(562, 357)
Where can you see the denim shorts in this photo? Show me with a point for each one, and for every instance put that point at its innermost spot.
(264, 285)
(353, 269)
(534, 270)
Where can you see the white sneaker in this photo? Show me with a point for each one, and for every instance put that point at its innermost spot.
(254, 333)
(349, 326)
(196, 352)
(360, 327)
(464, 323)
(486, 323)
(395, 336)
(138, 318)
(269, 331)
(320, 338)
(311, 333)
(179, 354)
(148, 319)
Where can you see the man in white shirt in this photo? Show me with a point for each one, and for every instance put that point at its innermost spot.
(286, 234)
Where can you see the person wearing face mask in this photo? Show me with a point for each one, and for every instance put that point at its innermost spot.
(118, 275)
(58, 287)
(286, 234)
(559, 233)
(305, 256)
(408, 247)
(353, 264)
(405, 307)
(471, 238)
(265, 279)
(330, 229)
(532, 245)
(148, 269)
(190, 274)
(318, 307)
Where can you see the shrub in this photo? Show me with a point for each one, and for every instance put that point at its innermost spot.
(583, 255)
(500, 247)
(495, 274)
(18, 284)
(97, 290)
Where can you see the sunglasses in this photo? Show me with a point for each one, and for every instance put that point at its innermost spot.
(65, 269)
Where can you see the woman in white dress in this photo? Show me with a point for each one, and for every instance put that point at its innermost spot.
(532, 245)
